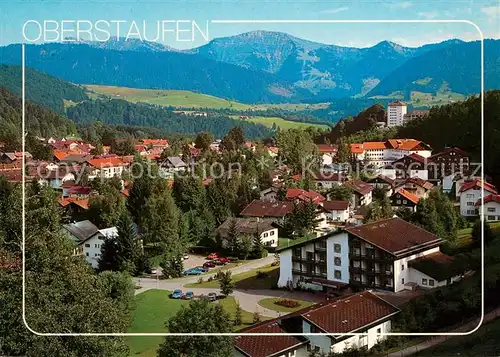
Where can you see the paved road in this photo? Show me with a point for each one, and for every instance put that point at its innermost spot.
(248, 299)
(409, 351)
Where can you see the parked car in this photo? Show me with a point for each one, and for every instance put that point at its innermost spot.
(212, 296)
(217, 262)
(188, 296)
(185, 256)
(224, 260)
(154, 271)
(213, 256)
(209, 264)
(177, 294)
(233, 259)
(192, 271)
(203, 269)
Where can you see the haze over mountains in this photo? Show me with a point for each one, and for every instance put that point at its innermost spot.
(264, 66)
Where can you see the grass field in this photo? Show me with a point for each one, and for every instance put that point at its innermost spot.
(246, 280)
(174, 98)
(269, 303)
(282, 123)
(484, 342)
(154, 308)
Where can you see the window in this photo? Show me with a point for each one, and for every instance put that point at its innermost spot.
(87, 254)
(424, 281)
(398, 202)
(491, 209)
(491, 218)
(338, 274)
(337, 261)
(95, 254)
(96, 246)
(337, 248)
(405, 202)
(271, 233)
(402, 267)
(470, 203)
(402, 280)
(379, 330)
(297, 252)
(431, 282)
(87, 245)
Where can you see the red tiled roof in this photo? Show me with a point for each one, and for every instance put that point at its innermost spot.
(408, 195)
(335, 205)
(360, 187)
(374, 145)
(417, 181)
(478, 184)
(325, 148)
(106, 162)
(79, 190)
(264, 346)
(407, 144)
(155, 142)
(83, 203)
(125, 192)
(357, 148)
(350, 314)
(384, 178)
(258, 208)
(489, 198)
(303, 195)
(395, 235)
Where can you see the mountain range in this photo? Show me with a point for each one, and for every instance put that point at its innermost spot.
(270, 67)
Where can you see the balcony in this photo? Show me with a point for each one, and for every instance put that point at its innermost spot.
(309, 273)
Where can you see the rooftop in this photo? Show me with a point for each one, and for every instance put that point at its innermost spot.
(489, 198)
(360, 187)
(395, 236)
(335, 205)
(478, 184)
(82, 230)
(408, 195)
(251, 225)
(259, 208)
(436, 265)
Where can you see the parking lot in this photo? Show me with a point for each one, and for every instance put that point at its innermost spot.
(194, 261)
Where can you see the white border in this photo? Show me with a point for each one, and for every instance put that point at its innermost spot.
(271, 334)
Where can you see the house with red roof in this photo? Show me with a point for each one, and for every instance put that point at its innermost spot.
(337, 212)
(327, 152)
(361, 193)
(364, 313)
(404, 199)
(106, 167)
(408, 166)
(491, 208)
(372, 255)
(449, 162)
(415, 185)
(294, 193)
(470, 193)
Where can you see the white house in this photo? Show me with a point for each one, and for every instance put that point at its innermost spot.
(362, 193)
(325, 180)
(336, 211)
(373, 255)
(470, 193)
(269, 194)
(491, 208)
(395, 113)
(364, 313)
(106, 167)
(252, 226)
(88, 239)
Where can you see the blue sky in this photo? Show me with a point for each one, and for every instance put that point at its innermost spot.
(485, 13)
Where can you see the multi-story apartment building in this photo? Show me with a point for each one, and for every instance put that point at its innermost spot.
(379, 154)
(395, 113)
(374, 255)
(414, 114)
(449, 162)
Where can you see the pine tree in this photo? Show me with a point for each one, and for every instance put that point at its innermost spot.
(233, 237)
(226, 283)
(127, 243)
(238, 315)
(256, 317)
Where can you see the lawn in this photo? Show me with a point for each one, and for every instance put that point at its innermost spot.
(484, 342)
(154, 308)
(282, 123)
(269, 303)
(174, 98)
(247, 280)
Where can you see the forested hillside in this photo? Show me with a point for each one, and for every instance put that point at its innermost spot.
(121, 112)
(39, 120)
(459, 124)
(41, 88)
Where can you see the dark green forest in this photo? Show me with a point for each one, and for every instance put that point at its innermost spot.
(121, 112)
(41, 88)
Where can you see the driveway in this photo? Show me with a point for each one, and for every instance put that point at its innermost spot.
(248, 299)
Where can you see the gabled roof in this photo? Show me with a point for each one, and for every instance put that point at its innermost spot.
(489, 198)
(407, 144)
(303, 195)
(259, 208)
(395, 236)
(79, 190)
(106, 162)
(408, 195)
(357, 148)
(162, 142)
(82, 203)
(266, 346)
(175, 161)
(417, 181)
(478, 184)
(248, 225)
(349, 314)
(335, 205)
(82, 230)
(383, 178)
(359, 186)
(436, 265)
(374, 145)
(449, 150)
(325, 148)
(74, 157)
(413, 156)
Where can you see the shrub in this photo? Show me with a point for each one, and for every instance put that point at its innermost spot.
(200, 280)
(210, 278)
(287, 303)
